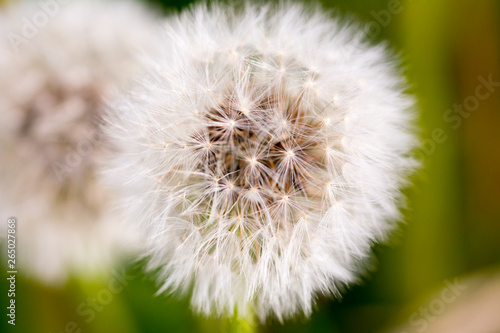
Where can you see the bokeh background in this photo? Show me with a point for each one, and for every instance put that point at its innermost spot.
(441, 270)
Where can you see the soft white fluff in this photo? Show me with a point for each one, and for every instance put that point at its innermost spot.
(262, 154)
(52, 91)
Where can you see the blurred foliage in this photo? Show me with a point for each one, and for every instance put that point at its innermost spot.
(452, 223)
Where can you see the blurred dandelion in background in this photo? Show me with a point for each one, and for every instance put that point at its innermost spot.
(263, 154)
(55, 78)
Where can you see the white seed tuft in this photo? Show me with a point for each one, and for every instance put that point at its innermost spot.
(304, 165)
(52, 92)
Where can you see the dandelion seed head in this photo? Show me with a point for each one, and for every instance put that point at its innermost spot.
(287, 200)
(53, 89)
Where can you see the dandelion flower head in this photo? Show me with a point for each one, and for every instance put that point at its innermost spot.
(262, 154)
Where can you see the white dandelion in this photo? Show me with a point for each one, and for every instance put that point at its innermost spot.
(53, 83)
(263, 154)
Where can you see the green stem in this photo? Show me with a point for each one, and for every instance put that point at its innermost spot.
(238, 324)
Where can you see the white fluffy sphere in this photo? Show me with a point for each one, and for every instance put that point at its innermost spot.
(262, 154)
(59, 62)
